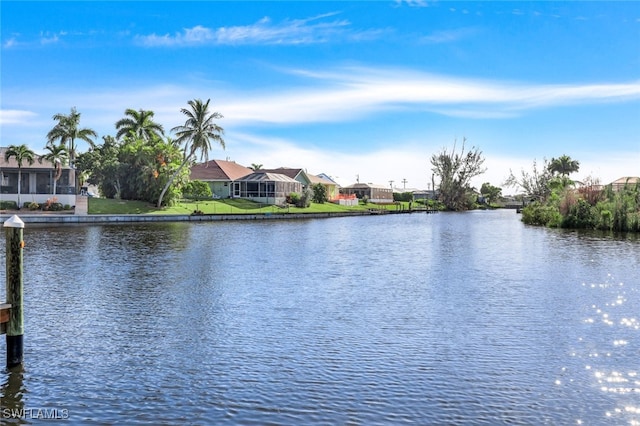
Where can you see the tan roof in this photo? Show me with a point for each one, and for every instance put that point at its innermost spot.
(13, 164)
(626, 180)
(318, 179)
(219, 170)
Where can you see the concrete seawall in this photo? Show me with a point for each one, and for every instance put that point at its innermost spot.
(141, 218)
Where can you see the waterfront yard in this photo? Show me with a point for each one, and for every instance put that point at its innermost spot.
(224, 206)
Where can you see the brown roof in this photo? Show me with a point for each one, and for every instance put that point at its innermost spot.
(13, 164)
(219, 170)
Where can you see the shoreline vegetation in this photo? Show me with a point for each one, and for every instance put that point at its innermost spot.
(586, 208)
(143, 171)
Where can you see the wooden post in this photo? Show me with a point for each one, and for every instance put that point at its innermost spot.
(15, 327)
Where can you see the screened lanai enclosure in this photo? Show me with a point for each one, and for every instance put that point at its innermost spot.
(264, 187)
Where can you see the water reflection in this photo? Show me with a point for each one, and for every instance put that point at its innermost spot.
(13, 391)
(431, 319)
(610, 337)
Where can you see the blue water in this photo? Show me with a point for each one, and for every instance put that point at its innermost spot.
(452, 318)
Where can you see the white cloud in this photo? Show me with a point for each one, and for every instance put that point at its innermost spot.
(10, 42)
(448, 36)
(14, 116)
(362, 91)
(296, 31)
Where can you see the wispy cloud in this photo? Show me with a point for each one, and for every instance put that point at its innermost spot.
(448, 36)
(318, 29)
(14, 116)
(10, 42)
(340, 95)
(44, 38)
(348, 93)
(413, 3)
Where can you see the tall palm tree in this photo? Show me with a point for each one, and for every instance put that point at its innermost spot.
(564, 165)
(140, 123)
(58, 155)
(68, 131)
(196, 134)
(20, 153)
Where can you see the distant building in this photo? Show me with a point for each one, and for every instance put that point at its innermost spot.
(621, 183)
(375, 193)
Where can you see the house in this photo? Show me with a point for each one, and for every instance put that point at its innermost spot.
(621, 183)
(375, 193)
(332, 188)
(37, 181)
(265, 187)
(220, 175)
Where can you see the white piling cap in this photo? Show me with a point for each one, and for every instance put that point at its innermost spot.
(14, 222)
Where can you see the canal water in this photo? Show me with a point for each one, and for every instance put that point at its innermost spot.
(452, 318)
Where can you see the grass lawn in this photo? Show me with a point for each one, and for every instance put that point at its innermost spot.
(226, 206)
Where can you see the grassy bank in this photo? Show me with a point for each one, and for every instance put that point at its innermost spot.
(226, 206)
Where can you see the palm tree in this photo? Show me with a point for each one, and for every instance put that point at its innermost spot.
(564, 165)
(67, 131)
(255, 166)
(58, 155)
(196, 134)
(20, 153)
(140, 123)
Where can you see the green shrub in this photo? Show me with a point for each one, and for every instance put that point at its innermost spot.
(320, 193)
(305, 198)
(580, 216)
(8, 205)
(197, 189)
(293, 198)
(404, 196)
(605, 221)
(541, 215)
(32, 206)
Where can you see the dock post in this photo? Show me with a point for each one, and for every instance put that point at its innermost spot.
(15, 327)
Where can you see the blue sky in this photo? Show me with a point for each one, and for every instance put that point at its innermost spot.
(348, 88)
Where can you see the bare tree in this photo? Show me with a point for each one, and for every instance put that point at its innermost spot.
(535, 184)
(456, 169)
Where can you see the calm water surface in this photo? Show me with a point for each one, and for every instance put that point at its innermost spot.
(450, 318)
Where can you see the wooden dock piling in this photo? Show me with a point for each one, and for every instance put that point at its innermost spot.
(14, 286)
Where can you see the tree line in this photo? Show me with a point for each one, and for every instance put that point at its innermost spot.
(140, 163)
(552, 197)
(555, 201)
